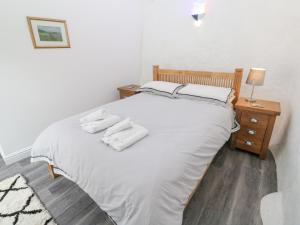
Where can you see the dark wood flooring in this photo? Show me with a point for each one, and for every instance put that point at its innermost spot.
(229, 194)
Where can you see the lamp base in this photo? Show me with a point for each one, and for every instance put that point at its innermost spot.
(250, 100)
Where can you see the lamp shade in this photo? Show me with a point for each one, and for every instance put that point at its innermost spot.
(256, 76)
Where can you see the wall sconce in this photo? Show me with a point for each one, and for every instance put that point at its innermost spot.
(198, 11)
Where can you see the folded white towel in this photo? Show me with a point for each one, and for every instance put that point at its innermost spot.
(120, 141)
(123, 125)
(98, 115)
(96, 126)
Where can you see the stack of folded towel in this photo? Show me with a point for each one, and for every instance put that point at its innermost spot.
(124, 134)
(119, 135)
(98, 121)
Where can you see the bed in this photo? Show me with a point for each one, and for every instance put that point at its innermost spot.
(151, 182)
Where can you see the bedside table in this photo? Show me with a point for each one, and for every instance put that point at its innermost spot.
(257, 123)
(128, 90)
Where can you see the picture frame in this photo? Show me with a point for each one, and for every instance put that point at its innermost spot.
(48, 33)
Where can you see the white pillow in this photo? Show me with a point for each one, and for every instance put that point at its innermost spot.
(205, 92)
(161, 88)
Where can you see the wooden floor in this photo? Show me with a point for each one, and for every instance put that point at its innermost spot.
(229, 194)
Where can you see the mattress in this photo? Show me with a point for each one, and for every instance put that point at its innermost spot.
(149, 182)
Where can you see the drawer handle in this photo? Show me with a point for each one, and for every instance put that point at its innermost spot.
(251, 132)
(249, 143)
(253, 120)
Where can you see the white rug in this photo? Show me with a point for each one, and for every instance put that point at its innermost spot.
(19, 205)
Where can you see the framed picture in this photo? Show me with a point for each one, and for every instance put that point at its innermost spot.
(48, 33)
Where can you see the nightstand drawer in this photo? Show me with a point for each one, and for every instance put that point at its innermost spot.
(249, 145)
(255, 120)
(252, 134)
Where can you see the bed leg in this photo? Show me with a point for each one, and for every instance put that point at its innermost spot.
(51, 172)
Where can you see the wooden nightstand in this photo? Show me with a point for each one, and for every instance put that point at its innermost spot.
(257, 125)
(128, 90)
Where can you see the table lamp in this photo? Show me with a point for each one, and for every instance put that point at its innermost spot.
(256, 77)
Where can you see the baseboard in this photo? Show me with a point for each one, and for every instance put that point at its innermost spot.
(16, 156)
(1, 152)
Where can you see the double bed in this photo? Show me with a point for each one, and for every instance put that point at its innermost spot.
(151, 182)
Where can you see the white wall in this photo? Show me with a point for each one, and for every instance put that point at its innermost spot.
(288, 162)
(40, 86)
(288, 155)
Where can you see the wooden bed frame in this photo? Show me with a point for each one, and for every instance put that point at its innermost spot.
(219, 79)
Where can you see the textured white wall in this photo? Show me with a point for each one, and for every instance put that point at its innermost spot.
(288, 154)
(288, 164)
(40, 86)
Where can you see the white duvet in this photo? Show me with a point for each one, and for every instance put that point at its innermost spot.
(149, 182)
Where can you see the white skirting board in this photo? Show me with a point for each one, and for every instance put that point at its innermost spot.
(1, 151)
(16, 156)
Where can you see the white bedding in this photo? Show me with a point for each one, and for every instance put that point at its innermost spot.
(149, 182)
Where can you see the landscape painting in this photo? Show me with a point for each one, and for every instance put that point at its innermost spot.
(48, 33)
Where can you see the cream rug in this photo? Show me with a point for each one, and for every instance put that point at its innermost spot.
(19, 205)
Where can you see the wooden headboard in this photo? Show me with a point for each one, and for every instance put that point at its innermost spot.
(220, 79)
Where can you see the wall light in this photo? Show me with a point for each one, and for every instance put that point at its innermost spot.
(198, 11)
